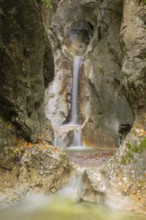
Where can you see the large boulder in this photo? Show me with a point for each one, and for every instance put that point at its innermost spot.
(38, 169)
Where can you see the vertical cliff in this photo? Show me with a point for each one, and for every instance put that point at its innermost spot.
(26, 68)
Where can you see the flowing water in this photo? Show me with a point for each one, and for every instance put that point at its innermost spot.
(64, 205)
(77, 139)
(75, 89)
(77, 136)
(74, 187)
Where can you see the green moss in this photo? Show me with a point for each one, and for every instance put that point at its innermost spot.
(127, 158)
(143, 144)
(123, 160)
(133, 148)
(48, 3)
(137, 148)
(101, 70)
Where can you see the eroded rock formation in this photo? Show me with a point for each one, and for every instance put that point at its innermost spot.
(104, 110)
(26, 68)
(123, 178)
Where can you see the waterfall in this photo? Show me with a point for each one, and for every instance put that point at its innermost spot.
(77, 139)
(74, 187)
(74, 123)
(75, 89)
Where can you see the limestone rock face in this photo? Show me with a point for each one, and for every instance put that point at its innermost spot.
(121, 183)
(133, 41)
(39, 169)
(105, 114)
(123, 178)
(26, 68)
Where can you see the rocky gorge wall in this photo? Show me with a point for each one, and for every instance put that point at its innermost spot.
(28, 164)
(122, 180)
(104, 110)
(112, 95)
(26, 68)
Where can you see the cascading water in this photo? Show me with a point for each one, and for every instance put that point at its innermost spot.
(74, 187)
(74, 123)
(77, 138)
(75, 89)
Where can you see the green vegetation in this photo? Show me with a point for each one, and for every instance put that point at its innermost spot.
(127, 158)
(48, 3)
(133, 148)
(102, 71)
(137, 148)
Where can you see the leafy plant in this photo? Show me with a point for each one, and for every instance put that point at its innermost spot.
(48, 3)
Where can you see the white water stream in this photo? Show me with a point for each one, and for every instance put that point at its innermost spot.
(77, 139)
(74, 187)
(77, 61)
(75, 89)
